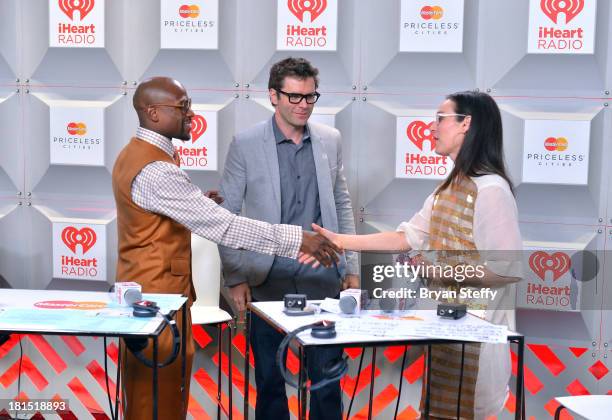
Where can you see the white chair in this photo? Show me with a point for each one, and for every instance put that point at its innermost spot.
(591, 407)
(206, 273)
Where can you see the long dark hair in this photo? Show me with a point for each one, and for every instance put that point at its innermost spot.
(482, 150)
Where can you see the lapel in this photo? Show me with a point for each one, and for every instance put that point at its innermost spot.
(323, 177)
(272, 162)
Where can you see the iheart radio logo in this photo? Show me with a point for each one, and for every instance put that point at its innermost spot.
(552, 8)
(558, 263)
(198, 127)
(432, 12)
(70, 6)
(186, 11)
(86, 237)
(314, 7)
(553, 144)
(78, 129)
(418, 132)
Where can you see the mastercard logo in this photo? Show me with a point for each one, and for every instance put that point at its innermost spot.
(186, 11)
(553, 144)
(76, 129)
(432, 12)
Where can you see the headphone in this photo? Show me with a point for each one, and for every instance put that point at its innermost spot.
(333, 371)
(148, 309)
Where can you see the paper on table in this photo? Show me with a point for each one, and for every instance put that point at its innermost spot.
(451, 330)
(331, 305)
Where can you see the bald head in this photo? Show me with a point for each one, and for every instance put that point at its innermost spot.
(165, 117)
(156, 90)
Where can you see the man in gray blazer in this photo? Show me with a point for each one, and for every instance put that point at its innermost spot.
(287, 170)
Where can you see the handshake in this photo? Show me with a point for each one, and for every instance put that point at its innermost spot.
(319, 247)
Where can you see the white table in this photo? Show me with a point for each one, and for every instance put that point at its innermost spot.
(355, 336)
(64, 312)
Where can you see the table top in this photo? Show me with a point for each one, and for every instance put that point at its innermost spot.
(78, 313)
(377, 327)
(592, 407)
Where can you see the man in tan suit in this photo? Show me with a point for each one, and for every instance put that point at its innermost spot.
(157, 209)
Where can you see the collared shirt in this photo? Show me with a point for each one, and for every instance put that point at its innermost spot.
(164, 188)
(299, 206)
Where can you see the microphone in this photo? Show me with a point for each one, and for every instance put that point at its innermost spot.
(131, 296)
(352, 301)
(399, 302)
(127, 293)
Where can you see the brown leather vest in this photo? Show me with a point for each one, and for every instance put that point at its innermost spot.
(154, 250)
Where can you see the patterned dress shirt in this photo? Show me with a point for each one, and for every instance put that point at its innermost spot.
(164, 188)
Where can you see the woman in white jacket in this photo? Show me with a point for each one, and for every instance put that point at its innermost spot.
(471, 215)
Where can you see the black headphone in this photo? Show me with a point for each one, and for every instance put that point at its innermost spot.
(148, 309)
(333, 371)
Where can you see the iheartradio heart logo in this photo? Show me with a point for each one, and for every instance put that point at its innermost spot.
(418, 132)
(558, 263)
(314, 7)
(70, 6)
(86, 237)
(198, 127)
(571, 8)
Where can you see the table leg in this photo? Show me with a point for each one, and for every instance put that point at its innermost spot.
(155, 378)
(372, 376)
(428, 379)
(184, 361)
(229, 356)
(302, 390)
(219, 337)
(460, 381)
(520, 396)
(247, 331)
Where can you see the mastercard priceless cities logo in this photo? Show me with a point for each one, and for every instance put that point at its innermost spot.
(432, 12)
(76, 128)
(189, 11)
(558, 144)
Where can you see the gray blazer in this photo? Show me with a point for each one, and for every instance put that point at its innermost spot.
(251, 178)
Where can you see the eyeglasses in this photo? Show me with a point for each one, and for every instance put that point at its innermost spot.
(185, 106)
(296, 98)
(440, 115)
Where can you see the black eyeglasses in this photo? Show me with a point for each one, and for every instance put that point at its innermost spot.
(296, 98)
(184, 106)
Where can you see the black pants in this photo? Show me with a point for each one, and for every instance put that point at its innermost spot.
(325, 403)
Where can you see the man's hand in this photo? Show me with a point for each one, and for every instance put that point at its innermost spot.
(241, 295)
(317, 247)
(351, 281)
(214, 195)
